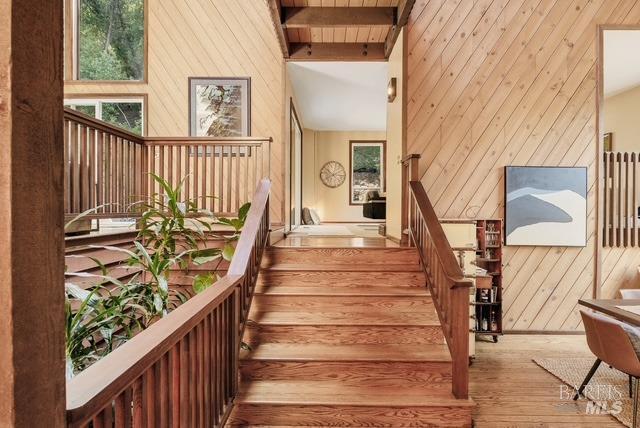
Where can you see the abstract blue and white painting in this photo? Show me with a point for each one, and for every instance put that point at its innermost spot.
(546, 206)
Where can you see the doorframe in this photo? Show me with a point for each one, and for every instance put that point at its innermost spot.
(601, 28)
(292, 161)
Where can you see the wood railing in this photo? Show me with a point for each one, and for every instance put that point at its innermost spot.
(103, 166)
(620, 199)
(108, 167)
(447, 284)
(220, 173)
(183, 369)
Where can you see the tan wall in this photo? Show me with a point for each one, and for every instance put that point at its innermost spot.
(621, 119)
(310, 174)
(201, 38)
(513, 83)
(332, 205)
(395, 142)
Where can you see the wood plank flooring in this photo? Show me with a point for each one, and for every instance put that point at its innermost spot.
(510, 390)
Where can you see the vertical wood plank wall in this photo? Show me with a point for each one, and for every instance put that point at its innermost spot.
(204, 38)
(513, 82)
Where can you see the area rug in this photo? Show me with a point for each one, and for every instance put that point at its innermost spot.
(341, 230)
(608, 390)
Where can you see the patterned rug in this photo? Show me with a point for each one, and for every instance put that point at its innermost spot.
(608, 390)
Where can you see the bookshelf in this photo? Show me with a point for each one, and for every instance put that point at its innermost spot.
(488, 299)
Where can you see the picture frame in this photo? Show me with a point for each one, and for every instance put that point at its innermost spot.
(356, 189)
(545, 206)
(607, 139)
(220, 107)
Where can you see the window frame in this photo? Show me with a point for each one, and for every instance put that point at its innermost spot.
(99, 99)
(383, 160)
(72, 38)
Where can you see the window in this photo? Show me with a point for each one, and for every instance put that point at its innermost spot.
(366, 169)
(126, 113)
(109, 39)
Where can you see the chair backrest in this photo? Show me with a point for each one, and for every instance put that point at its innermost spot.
(630, 293)
(609, 342)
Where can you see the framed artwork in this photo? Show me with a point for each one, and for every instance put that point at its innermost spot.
(608, 142)
(219, 107)
(546, 206)
(366, 169)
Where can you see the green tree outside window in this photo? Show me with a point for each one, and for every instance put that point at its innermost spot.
(111, 39)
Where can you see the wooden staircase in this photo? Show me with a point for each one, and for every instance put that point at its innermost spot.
(345, 337)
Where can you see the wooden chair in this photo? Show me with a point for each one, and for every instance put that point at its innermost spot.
(610, 343)
(630, 293)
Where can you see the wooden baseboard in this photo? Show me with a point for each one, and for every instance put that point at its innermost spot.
(549, 332)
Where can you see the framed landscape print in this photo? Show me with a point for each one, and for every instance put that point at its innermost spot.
(546, 206)
(219, 107)
(366, 169)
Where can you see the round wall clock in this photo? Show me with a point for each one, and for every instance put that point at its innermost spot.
(332, 174)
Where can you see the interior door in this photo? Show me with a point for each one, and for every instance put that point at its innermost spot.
(295, 177)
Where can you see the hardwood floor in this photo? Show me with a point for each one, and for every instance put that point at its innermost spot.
(510, 390)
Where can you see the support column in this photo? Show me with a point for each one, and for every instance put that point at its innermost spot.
(32, 384)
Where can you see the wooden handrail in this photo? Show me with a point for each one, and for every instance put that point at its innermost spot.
(100, 125)
(107, 167)
(183, 369)
(448, 287)
(440, 242)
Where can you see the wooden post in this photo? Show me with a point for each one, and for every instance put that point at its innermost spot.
(32, 380)
(460, 341)
(410, 169)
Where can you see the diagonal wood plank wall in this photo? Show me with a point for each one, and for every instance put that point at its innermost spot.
(513, 82)
(209, 38)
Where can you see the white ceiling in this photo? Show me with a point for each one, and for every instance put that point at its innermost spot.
(621, 60)
(341, 96)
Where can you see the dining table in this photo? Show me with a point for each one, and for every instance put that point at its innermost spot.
(625, 310)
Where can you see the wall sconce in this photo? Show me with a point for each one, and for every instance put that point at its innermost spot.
(392, 89)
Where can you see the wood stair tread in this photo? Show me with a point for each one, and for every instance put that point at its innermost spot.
(339, 291)
(350, 352)
(344, 318)
(330, 393)
(343, 267)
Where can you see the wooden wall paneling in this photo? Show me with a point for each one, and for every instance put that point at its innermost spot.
(203, 38)
(476, 93)
(32, 368)
(521, 90)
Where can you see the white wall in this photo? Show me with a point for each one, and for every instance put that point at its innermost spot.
(621, 118)
(395, 142)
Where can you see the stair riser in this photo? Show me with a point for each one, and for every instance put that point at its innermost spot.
(429, 375)
(349, 416)
(340, 255)
(262, 303)
(344, 334)
(342, 279)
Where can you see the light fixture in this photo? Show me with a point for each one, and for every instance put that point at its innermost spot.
(391, 90)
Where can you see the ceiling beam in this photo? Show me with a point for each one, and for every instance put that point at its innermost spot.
(402, 17)
(275, 11)
(337, 52)
(303, 17)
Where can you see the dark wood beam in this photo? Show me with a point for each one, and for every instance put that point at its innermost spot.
(337, 52)
(275, 10)
(302, 17)
(402, 17)
(32, 315)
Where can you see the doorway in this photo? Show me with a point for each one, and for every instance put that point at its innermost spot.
(295, 177)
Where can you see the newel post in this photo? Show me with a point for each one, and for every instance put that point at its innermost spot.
(32, 375)
(411, 164)
(459, 345)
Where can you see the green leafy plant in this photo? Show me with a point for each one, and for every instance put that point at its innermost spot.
(98, 321)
